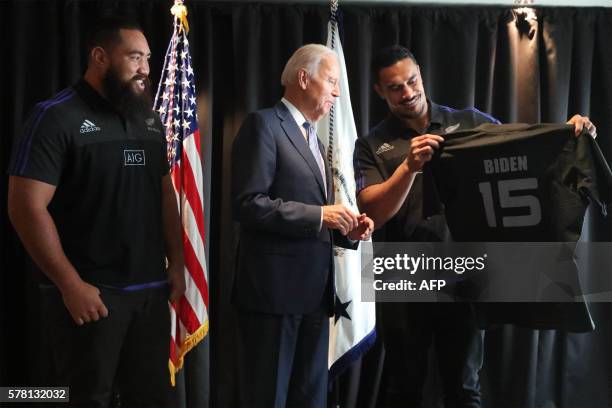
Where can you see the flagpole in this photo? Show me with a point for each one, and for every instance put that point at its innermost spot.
(330, 157)
(330, 147)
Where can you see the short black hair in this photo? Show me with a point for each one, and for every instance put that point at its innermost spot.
(388, 56)
(105, 32)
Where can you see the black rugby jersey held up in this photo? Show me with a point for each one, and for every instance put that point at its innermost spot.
(523, 183)
(517, 182)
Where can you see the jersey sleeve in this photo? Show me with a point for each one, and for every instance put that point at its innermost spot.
(603, 232)
(602, 169)
(596, 184)
(40, 151)
(365, 165)
(598, 220)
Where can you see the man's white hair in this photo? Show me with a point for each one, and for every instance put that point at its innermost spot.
(307, 57)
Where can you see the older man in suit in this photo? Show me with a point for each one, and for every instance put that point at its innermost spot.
(281, 187)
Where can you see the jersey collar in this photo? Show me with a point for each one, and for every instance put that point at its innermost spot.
(91, 96)
(436, 117)
(436, 121)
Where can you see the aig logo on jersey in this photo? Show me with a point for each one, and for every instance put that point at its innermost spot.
(134, 157)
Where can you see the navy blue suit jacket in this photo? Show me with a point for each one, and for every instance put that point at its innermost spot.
(284, 261)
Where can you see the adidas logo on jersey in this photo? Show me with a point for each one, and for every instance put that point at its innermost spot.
(385, 147)
(150, 122)
(89, 126)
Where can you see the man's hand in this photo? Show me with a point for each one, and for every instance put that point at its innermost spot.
(83, 302)
(176, 278)
(581, 122)
(422, 150)
(364, 229)
(339, 217)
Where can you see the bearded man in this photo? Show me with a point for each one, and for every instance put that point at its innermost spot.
(91, 199)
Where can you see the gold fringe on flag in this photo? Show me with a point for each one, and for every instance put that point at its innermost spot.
(190, 342)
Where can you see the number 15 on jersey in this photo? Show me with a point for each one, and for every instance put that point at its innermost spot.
(506, 200)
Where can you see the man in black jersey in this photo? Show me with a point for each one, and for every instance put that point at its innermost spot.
(91, 198)
(390, 188)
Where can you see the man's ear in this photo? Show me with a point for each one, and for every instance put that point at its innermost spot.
(303, 79)
(99, 57)
(378, 90)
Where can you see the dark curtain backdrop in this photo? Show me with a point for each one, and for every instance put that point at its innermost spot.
(469, 56)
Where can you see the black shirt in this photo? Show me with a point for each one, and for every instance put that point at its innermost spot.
(107, 169)
(515, 183)
(377, 156)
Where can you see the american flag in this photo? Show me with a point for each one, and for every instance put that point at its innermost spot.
(175, 102)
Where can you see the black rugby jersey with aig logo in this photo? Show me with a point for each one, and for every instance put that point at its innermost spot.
(107, 170)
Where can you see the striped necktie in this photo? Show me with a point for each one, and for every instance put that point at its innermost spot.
(313, 144)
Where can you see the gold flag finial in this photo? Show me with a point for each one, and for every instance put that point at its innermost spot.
(180, 11)
(334, 6)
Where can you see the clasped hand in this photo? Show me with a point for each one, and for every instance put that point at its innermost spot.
(355, 226)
